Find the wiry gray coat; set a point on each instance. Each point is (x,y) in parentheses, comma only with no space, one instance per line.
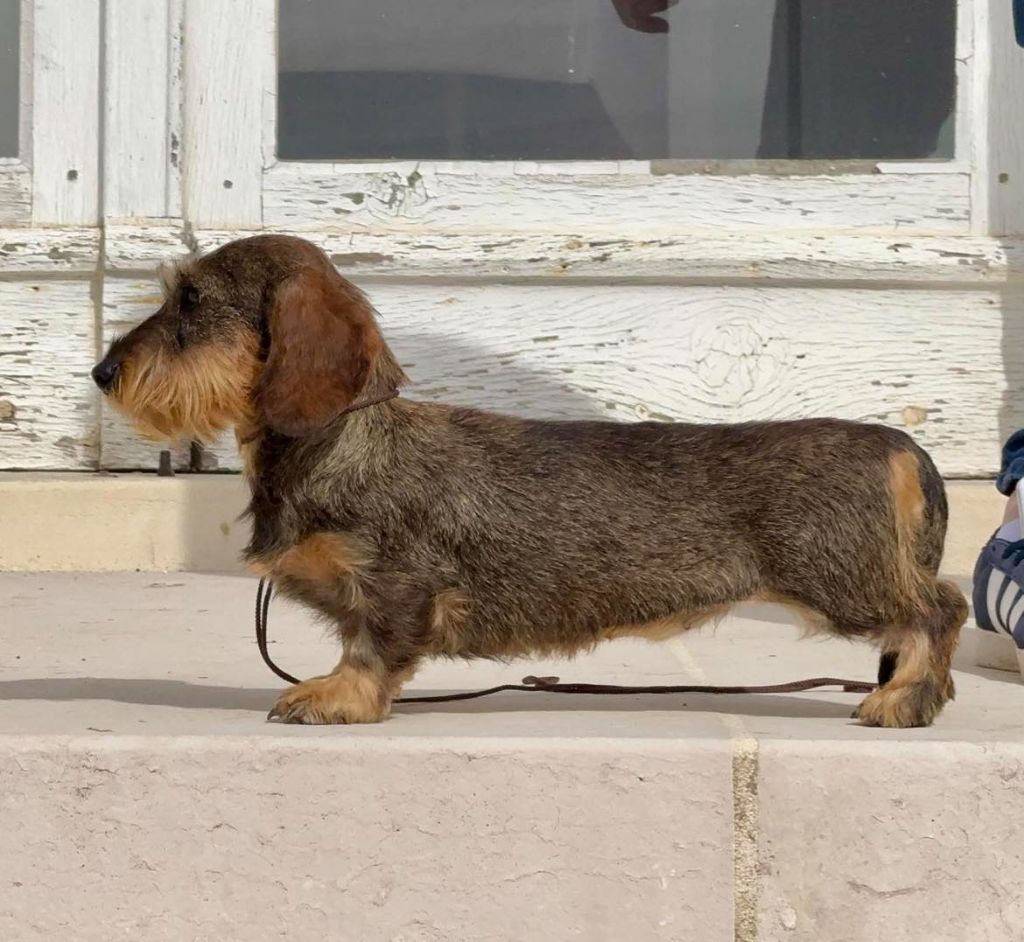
(423,530)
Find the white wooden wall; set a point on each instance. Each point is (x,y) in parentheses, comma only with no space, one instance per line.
(888,293)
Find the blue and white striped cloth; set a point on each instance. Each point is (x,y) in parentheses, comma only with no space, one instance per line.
(998,593)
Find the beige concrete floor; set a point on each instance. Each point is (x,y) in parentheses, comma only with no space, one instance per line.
(142,791)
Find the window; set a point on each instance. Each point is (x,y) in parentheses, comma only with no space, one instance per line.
(598,80)
(10,67)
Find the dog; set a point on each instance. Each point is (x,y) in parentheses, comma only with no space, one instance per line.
(421,530)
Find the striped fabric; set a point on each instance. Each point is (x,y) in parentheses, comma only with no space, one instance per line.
(1005,601)
(999,588)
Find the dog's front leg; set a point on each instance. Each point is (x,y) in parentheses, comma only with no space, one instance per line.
(376,618)
(372,669)
(356,691)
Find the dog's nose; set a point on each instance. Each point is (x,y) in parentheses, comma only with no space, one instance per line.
(105,372)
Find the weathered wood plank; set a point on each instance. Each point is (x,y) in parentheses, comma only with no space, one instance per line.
(48,251)
(141,245)
(607,255)
(438,196)
(65,112)
(226,47)
(1003,170)
(965,124)
(175,105)
(136,105)
(48,404)
(943,364)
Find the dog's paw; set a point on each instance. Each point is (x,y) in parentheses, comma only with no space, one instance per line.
(348,696)
(915,704)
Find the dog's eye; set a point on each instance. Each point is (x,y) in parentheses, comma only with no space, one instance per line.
(189,297)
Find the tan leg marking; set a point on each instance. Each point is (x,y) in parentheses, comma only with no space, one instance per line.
(351,694)
(322,557)
(922,682)
(336,560)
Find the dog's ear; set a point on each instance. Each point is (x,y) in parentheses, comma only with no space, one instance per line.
(323,342)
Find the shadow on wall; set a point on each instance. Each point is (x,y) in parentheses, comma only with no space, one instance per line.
(213,533)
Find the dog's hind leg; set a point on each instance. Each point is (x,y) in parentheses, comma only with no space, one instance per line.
(917,646)
(919,654)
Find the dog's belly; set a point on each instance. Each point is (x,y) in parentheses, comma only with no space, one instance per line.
(562,605)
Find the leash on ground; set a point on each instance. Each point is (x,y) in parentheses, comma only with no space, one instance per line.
(553,684)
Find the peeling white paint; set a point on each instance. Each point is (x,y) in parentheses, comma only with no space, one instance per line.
(590,252)
(439,196)
(48,251)
(48,405)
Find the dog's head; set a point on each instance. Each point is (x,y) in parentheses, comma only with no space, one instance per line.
(262,332)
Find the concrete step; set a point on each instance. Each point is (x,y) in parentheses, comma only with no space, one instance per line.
(142,795)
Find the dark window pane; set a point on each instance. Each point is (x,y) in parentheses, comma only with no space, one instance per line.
(597,79)
(10,63)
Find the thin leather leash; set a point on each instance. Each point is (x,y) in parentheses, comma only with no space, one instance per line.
(552,684)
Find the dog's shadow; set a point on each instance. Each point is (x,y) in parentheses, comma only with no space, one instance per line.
(182,694)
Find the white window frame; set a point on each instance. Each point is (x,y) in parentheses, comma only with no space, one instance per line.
(200,146)
(232,138)
(54,181)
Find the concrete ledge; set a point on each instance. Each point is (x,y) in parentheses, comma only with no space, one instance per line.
(117,522)
(143,795)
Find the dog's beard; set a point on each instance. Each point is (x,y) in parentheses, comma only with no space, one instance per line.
(192,395)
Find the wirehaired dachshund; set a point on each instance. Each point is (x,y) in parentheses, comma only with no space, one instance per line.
(421,530)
